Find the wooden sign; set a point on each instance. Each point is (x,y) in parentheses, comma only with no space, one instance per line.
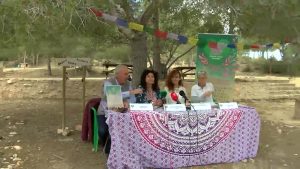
(74,62)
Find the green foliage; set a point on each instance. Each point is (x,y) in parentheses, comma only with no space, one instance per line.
(51,28)
(120,54)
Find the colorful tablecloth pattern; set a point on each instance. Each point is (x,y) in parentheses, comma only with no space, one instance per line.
(170,140)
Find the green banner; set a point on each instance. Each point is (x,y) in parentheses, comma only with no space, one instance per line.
(219,61)
(215,57)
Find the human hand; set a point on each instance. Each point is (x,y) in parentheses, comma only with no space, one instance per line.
(136,91)
(157,103)
(207,93)
(126,104)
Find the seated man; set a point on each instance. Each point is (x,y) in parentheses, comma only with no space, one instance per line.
(120,78)
(202,92)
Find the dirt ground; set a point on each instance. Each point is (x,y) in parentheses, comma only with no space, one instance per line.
(28,138)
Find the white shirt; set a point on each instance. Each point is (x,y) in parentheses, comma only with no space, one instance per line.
(169,100)
(197,93)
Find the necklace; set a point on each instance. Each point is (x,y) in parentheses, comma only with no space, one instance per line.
(150,95)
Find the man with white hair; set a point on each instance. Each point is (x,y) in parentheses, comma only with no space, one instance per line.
(203,90)
(120,78)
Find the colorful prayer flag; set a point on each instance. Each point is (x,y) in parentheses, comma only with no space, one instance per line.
(276,45)
(255,46)
(136,26)
(122,22)
(109,17)
(149,30)
(161,34)
(182,39)
(240,46)
(192,41)
(96,12)
(172,36)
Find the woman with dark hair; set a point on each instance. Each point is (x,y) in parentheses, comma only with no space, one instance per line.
(149,85)
(174,84)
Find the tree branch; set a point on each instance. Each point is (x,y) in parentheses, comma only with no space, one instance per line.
(147,13)
(116,10)
(149,60)
(126,7)
(172,51)
(168,67)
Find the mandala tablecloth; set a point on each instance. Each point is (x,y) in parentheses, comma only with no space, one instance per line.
(171,140)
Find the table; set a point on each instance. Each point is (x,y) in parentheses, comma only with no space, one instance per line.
(186,70)
(108,64)
(172,140)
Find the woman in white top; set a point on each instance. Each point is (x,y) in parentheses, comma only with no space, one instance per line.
(174,84)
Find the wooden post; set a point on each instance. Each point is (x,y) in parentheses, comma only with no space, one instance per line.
(63,124)
(297,109)
(1,69)
(83,87)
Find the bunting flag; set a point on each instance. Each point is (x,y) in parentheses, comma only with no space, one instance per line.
(172,36)
(240,46)
(149,30)
(96,12)
(255,46)
(160,34)
(180,38)
(276,45)
(109,17)
(136,26)
(192,41)
(122,22)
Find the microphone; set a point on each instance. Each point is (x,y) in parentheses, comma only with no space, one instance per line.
(182,94)
(174,97)
(129,78)
(163,93)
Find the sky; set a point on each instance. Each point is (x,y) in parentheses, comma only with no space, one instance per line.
(275,53)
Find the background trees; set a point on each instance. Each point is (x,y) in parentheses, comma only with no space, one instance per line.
(41,28)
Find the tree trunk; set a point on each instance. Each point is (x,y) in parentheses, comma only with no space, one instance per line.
(1,69)
(49,66)
(138,56)
(33,60)
(37,59)
(157,65)
(231,22)
(297,109)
